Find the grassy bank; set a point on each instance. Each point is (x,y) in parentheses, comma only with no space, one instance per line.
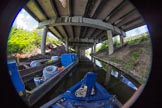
(134,57)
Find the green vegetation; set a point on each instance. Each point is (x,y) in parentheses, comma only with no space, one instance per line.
(138,39)
(87,52)
(49,61)
(132,61)
(116,42)
(21,41)
(103,46)
(131,40)
(114,59)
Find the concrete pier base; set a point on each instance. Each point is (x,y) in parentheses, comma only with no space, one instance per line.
(110,42)
(43,42)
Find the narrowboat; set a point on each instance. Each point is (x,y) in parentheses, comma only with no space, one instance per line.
(30,97)
(87,93)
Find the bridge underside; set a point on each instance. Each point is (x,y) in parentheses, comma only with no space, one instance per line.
(84,23)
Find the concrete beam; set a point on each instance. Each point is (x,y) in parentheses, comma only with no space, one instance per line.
(43,42)
(84,32)
(81,45)
(110,41)
(36,9)
(97,34)
(55,32)
(126,17)
(133,25)
(117,9)
(80,21)
(89,32)
(47,6)
(83,40)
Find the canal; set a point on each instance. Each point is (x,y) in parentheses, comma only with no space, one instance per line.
(116,82)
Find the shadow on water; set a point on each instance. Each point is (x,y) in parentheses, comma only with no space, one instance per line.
(114,81)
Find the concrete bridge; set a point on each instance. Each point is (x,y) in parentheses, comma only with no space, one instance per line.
(81,24)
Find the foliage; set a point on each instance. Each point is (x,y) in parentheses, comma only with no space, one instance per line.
(114,59)
(139,39)
(21,41)
(54,41)
(116,42)
(103,46)
(87,52)
(131,40)
(49,61)
(134,56)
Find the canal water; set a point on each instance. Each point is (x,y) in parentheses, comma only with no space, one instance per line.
(116,82)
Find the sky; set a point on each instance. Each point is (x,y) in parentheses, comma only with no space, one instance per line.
(137,31)
(25,21)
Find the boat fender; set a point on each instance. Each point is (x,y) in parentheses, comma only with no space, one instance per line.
(49,71)
(35,63)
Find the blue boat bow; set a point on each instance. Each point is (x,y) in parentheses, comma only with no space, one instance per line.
(85,94)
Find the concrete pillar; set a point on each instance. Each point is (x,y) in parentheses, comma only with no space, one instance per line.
(43,42)
(76,49)
(110,41)
(92,51)
(94,46)
(66,45)
(69,49)
(121,40)
(80,51)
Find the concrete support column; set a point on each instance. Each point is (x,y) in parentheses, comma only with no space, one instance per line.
(121,40)
(69,49)
(76,49)
(80,53)
(43,42)
(110,41)
(66,45)
(94,46)
(92,51)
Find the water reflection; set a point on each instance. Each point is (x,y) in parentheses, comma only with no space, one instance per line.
(98,63)
(115,73)
(123,79)
(129,83)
